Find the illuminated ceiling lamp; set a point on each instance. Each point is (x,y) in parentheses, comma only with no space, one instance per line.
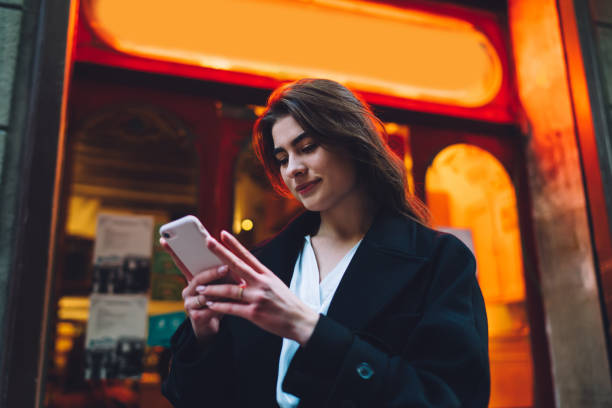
(368,46)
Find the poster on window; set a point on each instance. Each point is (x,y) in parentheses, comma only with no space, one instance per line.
(116,336)
(167,281)
(122,254)
(162,327)
(116,329)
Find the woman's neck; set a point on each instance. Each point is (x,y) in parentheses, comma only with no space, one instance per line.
(348,221)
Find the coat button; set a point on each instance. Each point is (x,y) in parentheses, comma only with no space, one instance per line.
(365,371)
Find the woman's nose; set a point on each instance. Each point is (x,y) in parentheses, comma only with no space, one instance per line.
(295,166)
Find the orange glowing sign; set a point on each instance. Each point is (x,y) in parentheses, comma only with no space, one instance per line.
(369,46)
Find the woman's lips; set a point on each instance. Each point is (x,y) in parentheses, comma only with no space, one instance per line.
(306,188)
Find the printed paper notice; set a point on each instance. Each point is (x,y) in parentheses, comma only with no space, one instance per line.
(122,254)
(116,336)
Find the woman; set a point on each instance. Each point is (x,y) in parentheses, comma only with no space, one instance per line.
(355,303)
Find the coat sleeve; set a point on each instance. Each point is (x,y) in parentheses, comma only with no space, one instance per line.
(200,377)
(444,362)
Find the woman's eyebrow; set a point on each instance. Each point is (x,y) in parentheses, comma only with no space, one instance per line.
(294,142)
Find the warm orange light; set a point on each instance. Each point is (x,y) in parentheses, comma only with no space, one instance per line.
(247,224)
(468,188)
(368,46)
(77,308)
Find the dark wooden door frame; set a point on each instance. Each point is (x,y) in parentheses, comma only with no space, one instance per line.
(35,142)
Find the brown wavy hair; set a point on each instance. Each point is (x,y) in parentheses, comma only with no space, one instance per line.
(339,121)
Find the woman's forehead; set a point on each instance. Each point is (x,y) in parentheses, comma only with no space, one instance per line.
(285,130)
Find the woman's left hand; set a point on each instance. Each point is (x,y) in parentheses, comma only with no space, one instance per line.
(262,299)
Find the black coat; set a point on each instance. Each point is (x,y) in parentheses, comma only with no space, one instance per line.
(406,328)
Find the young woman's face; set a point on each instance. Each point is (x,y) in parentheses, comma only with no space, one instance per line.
(317,177)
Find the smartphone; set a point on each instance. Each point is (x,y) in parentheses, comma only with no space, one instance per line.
(187,239)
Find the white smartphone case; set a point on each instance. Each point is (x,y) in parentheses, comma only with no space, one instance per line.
(187,238)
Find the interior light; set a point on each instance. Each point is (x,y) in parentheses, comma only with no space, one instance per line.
(246,224)
(368,46)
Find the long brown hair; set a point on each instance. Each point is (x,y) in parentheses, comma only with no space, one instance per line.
(340,121)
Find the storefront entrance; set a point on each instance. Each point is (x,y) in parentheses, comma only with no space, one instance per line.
(143,145)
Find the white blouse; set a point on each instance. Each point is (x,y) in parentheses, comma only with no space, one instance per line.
(305,284)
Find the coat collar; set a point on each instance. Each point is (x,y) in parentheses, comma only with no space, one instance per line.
(385,262)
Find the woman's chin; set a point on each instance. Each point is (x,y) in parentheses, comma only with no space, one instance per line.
(312,205)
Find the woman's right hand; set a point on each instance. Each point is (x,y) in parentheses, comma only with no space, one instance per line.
(205,322)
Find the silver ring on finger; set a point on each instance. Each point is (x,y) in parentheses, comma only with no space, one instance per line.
(200,305)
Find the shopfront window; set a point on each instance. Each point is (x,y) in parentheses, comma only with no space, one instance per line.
(135,166)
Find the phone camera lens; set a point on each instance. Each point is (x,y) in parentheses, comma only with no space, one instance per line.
(165,235)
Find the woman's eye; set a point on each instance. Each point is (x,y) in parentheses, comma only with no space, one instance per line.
(282,162)
(309,148)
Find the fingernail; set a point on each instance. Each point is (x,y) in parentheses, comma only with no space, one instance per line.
(201,288)
(222,269)
(209,303)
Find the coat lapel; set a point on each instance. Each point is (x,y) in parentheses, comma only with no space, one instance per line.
(383,265)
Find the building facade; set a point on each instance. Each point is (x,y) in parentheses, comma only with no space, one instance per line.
(528,174)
